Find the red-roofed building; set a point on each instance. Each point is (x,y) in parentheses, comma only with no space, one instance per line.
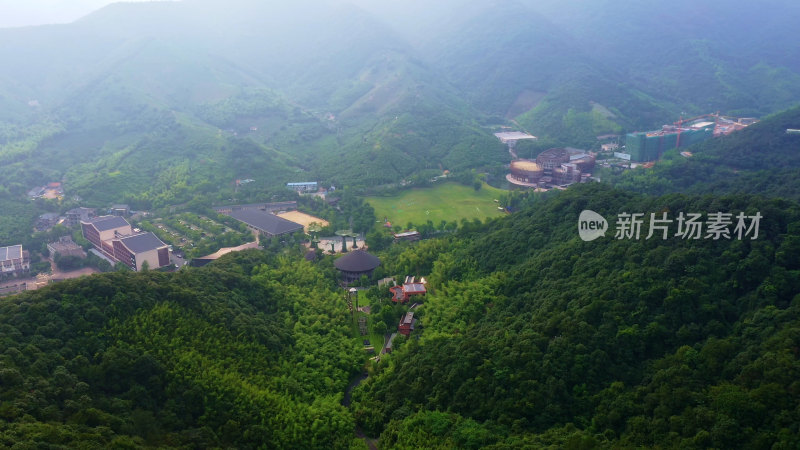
(410,288)
(407,323)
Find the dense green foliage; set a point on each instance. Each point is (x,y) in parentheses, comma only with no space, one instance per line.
(246,354)
(537,335)
(529,337)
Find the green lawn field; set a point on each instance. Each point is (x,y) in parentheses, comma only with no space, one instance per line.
(448,201)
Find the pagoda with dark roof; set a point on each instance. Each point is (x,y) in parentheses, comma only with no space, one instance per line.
(355,264)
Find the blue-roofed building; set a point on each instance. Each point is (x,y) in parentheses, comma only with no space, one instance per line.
(311,186)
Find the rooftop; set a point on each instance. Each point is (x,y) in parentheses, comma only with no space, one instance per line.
(407,234)
(408,319)
(64,246)
(513,136)
(12,252)
(414,288)
(81,210)
(105,223)
(357,261)
(140,243)
(292,204)
(266,222)
(525,164)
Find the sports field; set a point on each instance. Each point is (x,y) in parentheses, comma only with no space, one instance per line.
(448,201)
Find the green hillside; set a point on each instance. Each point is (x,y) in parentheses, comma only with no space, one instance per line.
(535,338)
(551,65)
(528,337)
(683,50)
(218,357)
(389,96)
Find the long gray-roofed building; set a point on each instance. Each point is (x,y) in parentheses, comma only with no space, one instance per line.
(266,223)
(268,207)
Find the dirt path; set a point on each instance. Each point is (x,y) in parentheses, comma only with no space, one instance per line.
(41,280)
(57,274)
(371,442)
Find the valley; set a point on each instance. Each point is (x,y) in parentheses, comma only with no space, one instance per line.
(327,224)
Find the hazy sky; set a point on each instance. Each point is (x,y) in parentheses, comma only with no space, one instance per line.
(17,13)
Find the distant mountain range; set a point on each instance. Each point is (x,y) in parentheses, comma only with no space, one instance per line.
(365,94)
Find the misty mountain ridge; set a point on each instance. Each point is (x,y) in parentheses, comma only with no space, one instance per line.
(526,335)
(340,77)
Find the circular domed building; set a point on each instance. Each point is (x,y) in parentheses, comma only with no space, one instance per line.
(552,158)
(526,171)
(553,167)
(355,264)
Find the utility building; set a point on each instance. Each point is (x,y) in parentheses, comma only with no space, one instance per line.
(649,146)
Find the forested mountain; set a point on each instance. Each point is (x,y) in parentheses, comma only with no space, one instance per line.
(340,91)
(535,338)
(737,57)
(529,337)
(226,356)
(570,70)
(360,95)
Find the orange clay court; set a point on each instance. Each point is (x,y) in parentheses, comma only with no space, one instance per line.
(303,219)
